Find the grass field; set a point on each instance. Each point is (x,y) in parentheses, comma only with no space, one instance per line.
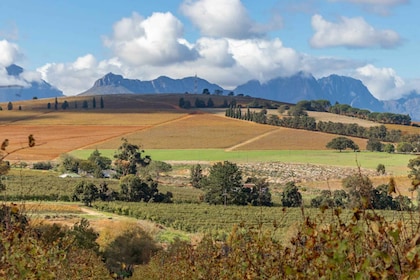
(394,163)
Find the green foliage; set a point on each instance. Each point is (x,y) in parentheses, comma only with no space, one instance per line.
(405,147)
(46,251)
(374,145)
(359,188)
(342,143)
(196,176)
(154,169)
(69,163)
(43,165)
(365,247)
(291,197)
(133,247)
(414,172)
(257,191)
(137,189)
(85,192)
(328,199)
(129,157)
(224,184)
(380,169)
(389,148)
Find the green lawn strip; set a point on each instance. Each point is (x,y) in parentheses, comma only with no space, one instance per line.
(395,163)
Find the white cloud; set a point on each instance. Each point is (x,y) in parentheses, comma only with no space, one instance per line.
(265,59)
(9,53)
(215,51)
(221,18)
(383,83)
(382,7)
(156,40)
(78,76)
(352,33)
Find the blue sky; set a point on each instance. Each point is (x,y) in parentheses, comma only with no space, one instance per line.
(70,44)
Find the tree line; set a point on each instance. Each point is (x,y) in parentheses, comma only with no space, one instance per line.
(302,121)
(347,110)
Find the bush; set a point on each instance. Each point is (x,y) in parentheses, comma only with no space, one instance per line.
(291,196)
(42,165)
(133,247)
(364,247)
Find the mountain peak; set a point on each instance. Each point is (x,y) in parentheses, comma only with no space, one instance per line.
(14,70)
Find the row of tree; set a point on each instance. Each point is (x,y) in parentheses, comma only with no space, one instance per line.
(347,110)
(302,121)
(85,104)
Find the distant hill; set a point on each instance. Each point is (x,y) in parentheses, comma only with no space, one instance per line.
(113,84)
(40,89)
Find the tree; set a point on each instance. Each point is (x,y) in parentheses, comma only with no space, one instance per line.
(155,168)
(56,103)
(405,147)
(206,91)
(380,168)
(291,197)
(99,160)
(102,103)
(136,189)
(196,176)
(129,157)
(49,105)
(85,104)
(258,192)
(389,148)
(360,188)
(374,145)
(181,102)
(414,172)
(94,103)
(223,184)
(133,247)
(342,143)
(210,103)
(381,198)
(65,105)
(10,106)
(85,192)
(69,163)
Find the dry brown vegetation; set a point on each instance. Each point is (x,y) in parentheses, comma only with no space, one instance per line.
(154,122)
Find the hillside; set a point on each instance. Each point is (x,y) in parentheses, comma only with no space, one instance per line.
(155,122)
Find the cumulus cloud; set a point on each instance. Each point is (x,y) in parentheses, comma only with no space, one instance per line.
(9,53)
(382,7)
(215,51)
(383,83)
(76,77)
(221,18)
(352,33)
(156,40)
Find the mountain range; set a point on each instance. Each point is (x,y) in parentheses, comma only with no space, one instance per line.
(301,86)
(38,89)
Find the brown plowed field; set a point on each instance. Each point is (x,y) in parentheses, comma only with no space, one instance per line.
(54,140)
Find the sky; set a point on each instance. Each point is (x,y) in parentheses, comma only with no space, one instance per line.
(70,44)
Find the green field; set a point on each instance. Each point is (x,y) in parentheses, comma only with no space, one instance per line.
(394,163)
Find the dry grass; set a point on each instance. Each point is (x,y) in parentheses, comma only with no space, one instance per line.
(294,139)
(325,117)
(198,131)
